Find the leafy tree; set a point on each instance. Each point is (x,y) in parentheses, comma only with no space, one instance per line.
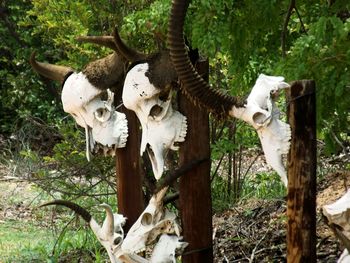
(297,39)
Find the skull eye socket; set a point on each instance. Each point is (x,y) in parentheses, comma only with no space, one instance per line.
(146,219)
(99,112)
(259,118)
(102,114)
(117,241)
(155,111)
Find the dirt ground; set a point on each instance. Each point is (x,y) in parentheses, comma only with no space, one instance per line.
(251,231)
(255,231)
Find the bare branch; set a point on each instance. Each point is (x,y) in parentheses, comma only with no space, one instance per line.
(171,177)
(285,27)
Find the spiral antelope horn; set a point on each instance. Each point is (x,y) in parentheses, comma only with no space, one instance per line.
(194,86)
(50,71)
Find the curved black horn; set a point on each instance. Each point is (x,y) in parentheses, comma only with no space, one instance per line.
(106,41)
(129,53)
(107,72)
(197,89)
(50,71)
(75,207)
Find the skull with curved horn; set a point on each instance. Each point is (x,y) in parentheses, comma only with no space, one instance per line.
(87,96)
(110,234)
(148,92)
(154,221)
(258,110)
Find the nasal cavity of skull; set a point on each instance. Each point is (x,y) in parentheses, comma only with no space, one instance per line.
(155,111)
(146,219)
(259,118)
(151,155)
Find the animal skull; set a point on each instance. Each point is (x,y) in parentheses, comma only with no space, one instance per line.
(102,123)
(110,234)
(162,126)
(82,97)
(154,221)
(338,218)
(167,248)
(262,113)
(258,110)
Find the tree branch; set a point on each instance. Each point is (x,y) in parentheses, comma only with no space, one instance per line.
(285,27)
(172,176)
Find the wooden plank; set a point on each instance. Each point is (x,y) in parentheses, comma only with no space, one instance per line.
(194,187)
(129,174)
(301,204)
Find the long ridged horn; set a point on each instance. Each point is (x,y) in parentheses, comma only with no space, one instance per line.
(75,207)
(197,89)
(50,71)
(130,54)
(106,41)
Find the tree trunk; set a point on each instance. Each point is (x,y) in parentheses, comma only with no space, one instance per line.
(301,205)
(129,174)
(195,194)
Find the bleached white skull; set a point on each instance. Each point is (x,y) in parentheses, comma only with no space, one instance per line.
(167,248)
(262,113)
(93,109)
(86,96)
(162,126)
(338,217)
(154,221)
(110,234)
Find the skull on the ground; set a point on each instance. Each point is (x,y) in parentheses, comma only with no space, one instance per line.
(93,109)
(162,126)
(337,216)
(167,248)
(111,233)
(154,221)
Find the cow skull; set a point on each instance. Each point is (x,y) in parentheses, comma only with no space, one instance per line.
(154,221)
(162,126)
(86,96)
(102,123)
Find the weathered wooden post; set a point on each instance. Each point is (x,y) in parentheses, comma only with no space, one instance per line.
(129,174)
(195,193)
(301,204)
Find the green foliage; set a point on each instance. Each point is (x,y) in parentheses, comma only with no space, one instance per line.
(241,38)
(323,55)
(264,186)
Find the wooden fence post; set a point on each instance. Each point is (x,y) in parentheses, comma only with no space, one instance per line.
(129,174)
(301,204)
(195,192)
